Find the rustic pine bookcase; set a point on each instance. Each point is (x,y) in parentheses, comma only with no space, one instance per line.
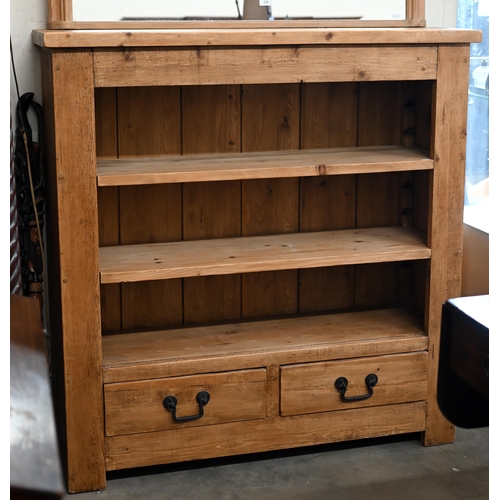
(251,236)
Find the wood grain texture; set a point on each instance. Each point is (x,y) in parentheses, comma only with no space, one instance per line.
(105,120)
(134,407)
(392,236)
(270,122)
(423,135)
(148,125)
(266,165)
(211,123)
(60,11)
(109,234)
(108,200)
(264,65)
(205,349)
(446,227)
(72,95)
(322,105)
(377,200)
(211,119)
(252,254)
(310,388)
(328,203)
(272,390)
(381,121)
(376,285)
(143,37)
(262,435)
(149,121)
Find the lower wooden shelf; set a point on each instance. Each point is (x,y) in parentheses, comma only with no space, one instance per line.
(270,385)
(207,349)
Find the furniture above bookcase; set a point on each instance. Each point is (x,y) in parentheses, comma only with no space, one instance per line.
(240,14)
(252,233)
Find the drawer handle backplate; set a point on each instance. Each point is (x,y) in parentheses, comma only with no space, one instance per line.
(341,385)
(170,403)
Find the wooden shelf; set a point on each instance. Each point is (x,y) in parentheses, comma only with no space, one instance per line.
(210,36)
(276,164)
(182,259)
(146,355)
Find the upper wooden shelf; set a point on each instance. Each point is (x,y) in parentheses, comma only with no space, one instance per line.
(301,163)
(182,259)
(182,351)
(121,38)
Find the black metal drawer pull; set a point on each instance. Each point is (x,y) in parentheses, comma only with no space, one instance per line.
(341,385)
(170,403)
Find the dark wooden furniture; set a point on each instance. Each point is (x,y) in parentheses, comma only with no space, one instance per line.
(463,379)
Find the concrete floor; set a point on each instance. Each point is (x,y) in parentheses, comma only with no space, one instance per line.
(395,468)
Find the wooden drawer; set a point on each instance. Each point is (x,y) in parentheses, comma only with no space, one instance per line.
(136,407)
(310,388)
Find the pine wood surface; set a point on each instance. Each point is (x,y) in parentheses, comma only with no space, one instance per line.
(328,203)
(446,231)
(211,123)
(155,37)
(68,86)
(280,433)
(130,263)
(263,65)
(309,388)
(260,95)
(108,200)
(270,122)
(134,407)
(280,164)
(139,222)
(250,344)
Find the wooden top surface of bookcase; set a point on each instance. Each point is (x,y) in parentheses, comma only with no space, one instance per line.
(163,38)
(174,352)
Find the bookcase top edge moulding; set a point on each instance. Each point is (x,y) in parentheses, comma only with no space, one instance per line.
(253,224)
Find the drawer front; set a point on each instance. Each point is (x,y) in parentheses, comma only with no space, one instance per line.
(310,387)
(136,407)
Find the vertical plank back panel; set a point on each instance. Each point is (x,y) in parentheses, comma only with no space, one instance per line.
(270,121)
(378,195)
(327,203)
(378,200)
(423,134)
(377,284)
(422,186)
(108,201)
(211,123)
(406,273)
(149,125)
